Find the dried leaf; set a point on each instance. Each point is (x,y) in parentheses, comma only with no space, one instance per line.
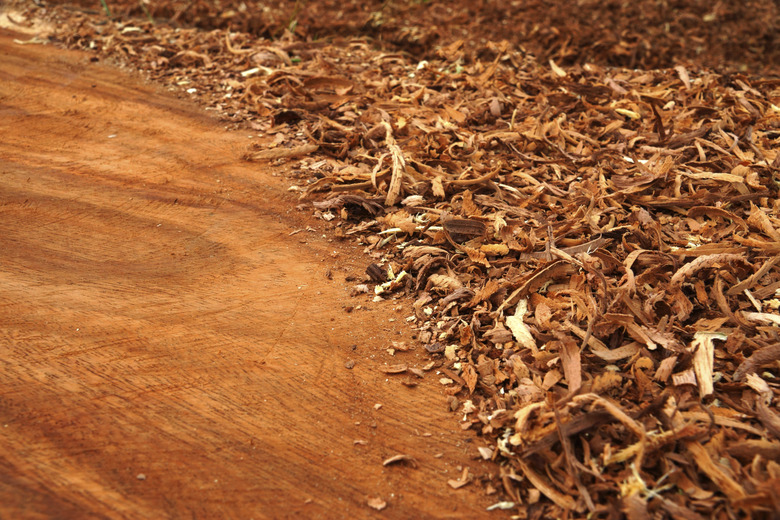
(441,281)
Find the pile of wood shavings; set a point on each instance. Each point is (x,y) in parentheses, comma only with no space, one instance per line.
(592,251)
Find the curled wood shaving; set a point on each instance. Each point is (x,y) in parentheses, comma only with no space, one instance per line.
(759,358)
(464,479)
(616,412)
(760,386)
(702,262)
(461,226)
(395,459)
(737,424)
(600,349)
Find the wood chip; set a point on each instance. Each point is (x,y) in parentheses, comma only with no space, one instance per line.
(376,503)
(394,369)
(464,480)
(395,459)
(282,153)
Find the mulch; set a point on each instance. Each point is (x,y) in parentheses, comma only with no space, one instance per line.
(583,209)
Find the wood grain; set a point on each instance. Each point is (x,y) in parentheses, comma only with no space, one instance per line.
(168,349)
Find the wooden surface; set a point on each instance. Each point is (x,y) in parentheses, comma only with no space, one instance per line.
(168,349)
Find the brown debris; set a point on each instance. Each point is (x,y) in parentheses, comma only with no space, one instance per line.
(376,503)
(590,235)
(465,479)
(547,489)
(719,474)
(395,459)
(759,358)
(394,369)
(749,449)
(281,153)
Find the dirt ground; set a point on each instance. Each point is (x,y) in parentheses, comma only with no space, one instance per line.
(175,335)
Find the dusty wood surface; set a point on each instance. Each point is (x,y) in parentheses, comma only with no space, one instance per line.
(168,348)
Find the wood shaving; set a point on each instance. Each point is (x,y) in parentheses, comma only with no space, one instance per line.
(559,214)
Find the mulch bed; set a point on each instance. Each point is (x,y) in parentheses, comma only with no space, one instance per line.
(583,209)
